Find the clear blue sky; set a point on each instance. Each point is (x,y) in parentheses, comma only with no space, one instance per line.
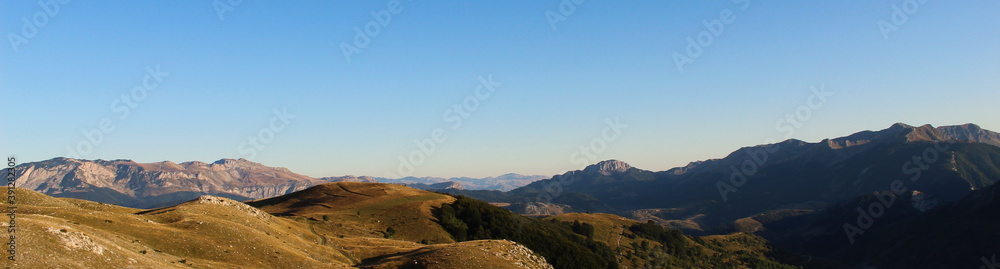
(606,60)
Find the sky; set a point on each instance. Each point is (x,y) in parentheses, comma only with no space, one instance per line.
(483,88)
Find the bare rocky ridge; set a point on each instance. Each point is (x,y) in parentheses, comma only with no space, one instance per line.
(791,174)
(608,167)
(146,185)
(900,132)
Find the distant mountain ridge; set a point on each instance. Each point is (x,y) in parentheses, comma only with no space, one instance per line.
(789,175)
(503,182)
(350,178)
(147,185)
(900,132)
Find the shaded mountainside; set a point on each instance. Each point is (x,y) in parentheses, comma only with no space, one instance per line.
(336,225)
(954,235)
(603,240)
(147,185)
(944,163)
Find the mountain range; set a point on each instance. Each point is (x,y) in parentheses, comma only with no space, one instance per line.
(503,182)
(905,196)
(148,185)
(943,164)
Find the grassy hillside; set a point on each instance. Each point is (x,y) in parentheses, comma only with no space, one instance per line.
(69,233)
(216,232)
(364,209)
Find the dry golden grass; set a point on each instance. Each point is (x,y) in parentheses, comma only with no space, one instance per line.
(351,209)
(213,232)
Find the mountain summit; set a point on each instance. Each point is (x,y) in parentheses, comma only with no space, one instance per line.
(147,185)
(608,167)
(790,175)
(903,133)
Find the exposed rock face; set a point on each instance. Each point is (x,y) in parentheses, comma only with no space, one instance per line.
(146,185)
(215,200)
(608,167)
(900,132)
(923,201)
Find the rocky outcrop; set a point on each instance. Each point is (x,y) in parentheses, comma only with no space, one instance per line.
(608,167)
(900,132)
(146,185)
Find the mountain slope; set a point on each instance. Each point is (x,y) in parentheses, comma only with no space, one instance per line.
(944,163)
(210,232)
(147,185)
(364,209)
(217,232)
(604,241)
(953,235)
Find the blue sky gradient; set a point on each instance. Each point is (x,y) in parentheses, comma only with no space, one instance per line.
(557,88)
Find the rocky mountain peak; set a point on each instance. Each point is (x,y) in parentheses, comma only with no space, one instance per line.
(608,167)
(902,133)
(128,183)
(900,126)
(240,161)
